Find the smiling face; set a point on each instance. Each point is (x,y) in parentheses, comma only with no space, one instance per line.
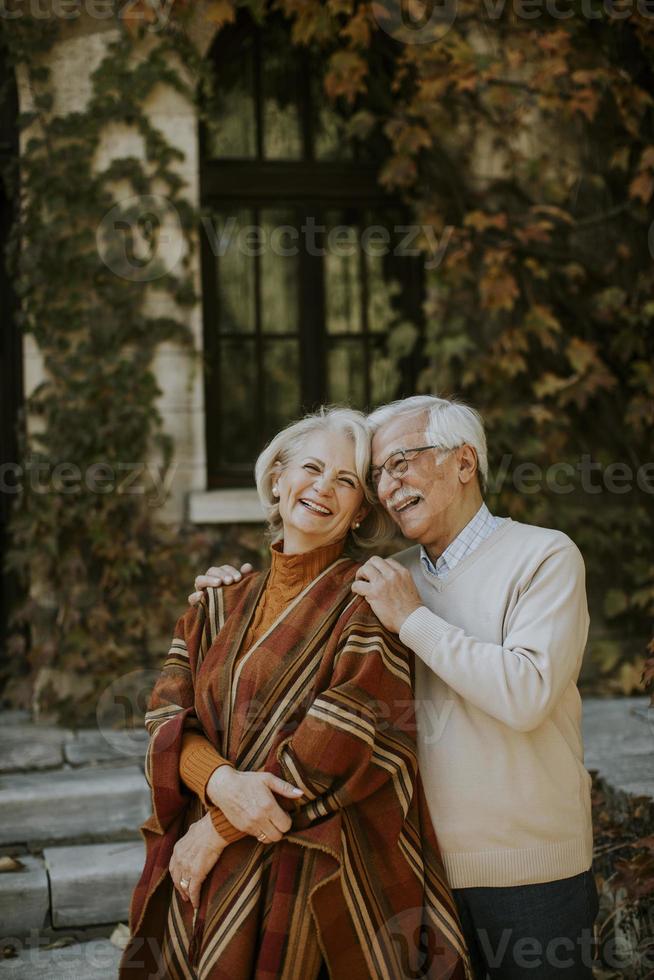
(320,496)
(427,501)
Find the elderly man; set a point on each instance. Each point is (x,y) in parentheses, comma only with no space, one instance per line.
(496,614)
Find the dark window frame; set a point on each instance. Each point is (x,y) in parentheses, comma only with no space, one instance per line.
(315,187)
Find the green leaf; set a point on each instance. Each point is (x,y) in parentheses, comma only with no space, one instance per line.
(615,602)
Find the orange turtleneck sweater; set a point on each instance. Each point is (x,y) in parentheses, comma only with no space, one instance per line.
(289,575)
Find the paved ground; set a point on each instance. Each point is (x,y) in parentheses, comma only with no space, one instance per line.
(619,740)
(70,805)
(94,960)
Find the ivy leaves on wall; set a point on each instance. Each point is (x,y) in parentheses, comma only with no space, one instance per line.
(104,570)
(525,145)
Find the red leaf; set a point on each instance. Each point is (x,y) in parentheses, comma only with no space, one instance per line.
(642,186)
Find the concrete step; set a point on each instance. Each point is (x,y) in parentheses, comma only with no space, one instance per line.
(92,884)
(90,746)
(619,739)
(24,898)
(28,746)
(70,804)
(97,959)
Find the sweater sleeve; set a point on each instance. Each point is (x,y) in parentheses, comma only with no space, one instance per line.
(520,681)
(226,829)
(198,761)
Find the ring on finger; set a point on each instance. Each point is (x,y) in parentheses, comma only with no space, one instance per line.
(262,837)
(184,883)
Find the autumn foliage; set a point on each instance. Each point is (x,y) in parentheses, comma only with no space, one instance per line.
(524,139)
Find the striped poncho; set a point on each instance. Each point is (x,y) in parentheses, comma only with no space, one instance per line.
(324,700)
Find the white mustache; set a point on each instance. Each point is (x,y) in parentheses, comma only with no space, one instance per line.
(403,493)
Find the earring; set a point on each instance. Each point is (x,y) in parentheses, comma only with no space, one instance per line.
(275,491)
(356,525)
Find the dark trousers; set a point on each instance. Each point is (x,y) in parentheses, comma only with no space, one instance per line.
(531,932)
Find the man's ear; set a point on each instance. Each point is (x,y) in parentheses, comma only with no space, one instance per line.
(467,463)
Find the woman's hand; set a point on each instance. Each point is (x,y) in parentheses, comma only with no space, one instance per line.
(194,855)
(247,800)
(223,575)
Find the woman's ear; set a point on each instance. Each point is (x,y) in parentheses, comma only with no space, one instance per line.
(362,513)
(275,474)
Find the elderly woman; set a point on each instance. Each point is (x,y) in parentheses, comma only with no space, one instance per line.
(290,838)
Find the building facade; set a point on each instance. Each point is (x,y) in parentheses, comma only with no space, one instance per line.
(299,263)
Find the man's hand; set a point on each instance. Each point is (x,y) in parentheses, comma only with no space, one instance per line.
(194,855)
(247,800)
(389,589)
(215,576)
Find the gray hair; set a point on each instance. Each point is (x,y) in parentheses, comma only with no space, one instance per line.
(377,525)
(450,423)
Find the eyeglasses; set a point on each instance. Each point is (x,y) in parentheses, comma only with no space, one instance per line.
(398,462)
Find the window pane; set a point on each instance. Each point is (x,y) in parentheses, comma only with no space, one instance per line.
(239,436)
(282,135)
(382,296)
(331,142)
(330,139)
(232,129)
(235,272)
(346,381)
(384,377)
(282,385)
(279,272)
(343,287)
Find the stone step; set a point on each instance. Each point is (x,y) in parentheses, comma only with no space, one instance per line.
(619,738)
(70,804)
(24,898)
(27,746)
(92,884)
(97,959)
(89,746)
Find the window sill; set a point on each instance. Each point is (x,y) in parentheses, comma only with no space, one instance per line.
(233,506)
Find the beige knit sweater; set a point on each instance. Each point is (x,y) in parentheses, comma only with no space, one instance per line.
(499,643)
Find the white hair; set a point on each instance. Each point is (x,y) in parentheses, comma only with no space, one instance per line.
(377,525)
(450,423)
